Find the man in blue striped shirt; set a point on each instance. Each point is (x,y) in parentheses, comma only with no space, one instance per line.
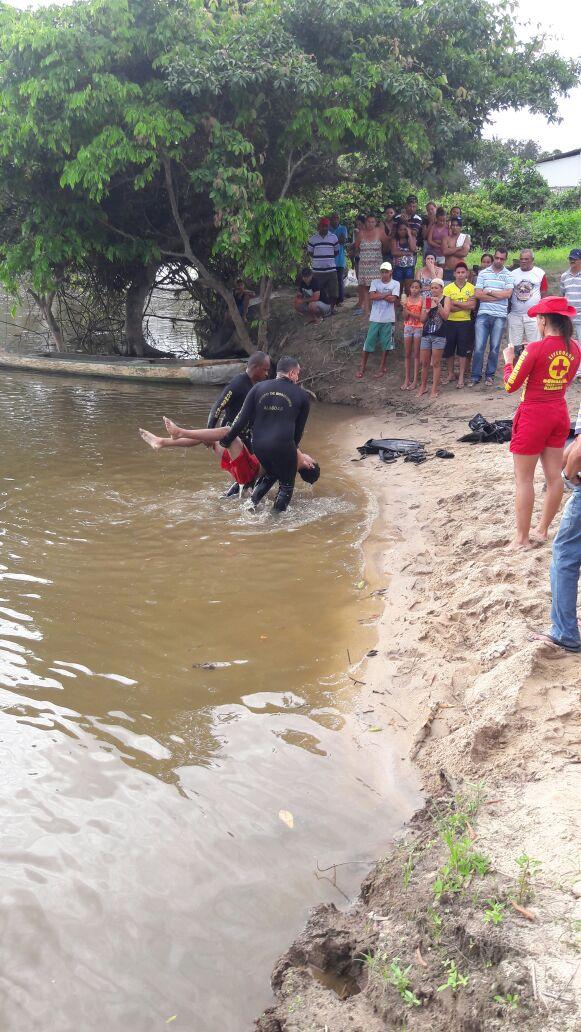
(571,288)
(323,248)
(493,288)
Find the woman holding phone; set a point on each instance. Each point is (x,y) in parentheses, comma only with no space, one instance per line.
(541,423)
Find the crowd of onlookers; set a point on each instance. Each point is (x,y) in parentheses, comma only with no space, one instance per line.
(416,264)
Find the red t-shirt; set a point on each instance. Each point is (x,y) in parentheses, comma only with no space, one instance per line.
(544,370)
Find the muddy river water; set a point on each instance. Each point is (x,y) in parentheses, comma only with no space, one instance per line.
(162,819)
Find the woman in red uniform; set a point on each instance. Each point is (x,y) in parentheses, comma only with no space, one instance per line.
(541,423)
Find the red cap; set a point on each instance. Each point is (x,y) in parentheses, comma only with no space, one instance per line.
(324,221)
(553,306)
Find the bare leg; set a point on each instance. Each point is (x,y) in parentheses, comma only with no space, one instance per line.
(381,371)
(524,471)
(167,442)
(361,291)
(361,371)
(450,374)
(551,461)
(461,371)
(407,343)
(425,364)
(437,367)
(191,438)
(366,301)
(416,344)
(203,436)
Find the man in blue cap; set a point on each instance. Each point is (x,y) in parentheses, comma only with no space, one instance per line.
(571,288)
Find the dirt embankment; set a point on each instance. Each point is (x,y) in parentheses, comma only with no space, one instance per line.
(472,921)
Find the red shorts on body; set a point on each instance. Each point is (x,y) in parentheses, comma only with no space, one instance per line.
(537,427)
(244,469)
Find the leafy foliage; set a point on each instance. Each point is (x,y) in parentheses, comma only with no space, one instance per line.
(522,189)
(251,106)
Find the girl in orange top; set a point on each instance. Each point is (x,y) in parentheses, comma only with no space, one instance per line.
(541,423)
(412,334)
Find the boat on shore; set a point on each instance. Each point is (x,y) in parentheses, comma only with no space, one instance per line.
(210,372)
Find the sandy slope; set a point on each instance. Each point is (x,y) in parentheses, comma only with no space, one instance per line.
(476,701)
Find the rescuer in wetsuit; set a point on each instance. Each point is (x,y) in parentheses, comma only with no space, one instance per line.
(276,412)
(228,404)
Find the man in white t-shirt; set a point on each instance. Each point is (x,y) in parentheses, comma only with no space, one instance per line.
(384,294)
(530,285)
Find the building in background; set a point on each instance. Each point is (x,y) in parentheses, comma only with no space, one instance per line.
(562,171)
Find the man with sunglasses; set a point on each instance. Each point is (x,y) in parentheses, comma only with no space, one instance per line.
(571,288)
(493,288)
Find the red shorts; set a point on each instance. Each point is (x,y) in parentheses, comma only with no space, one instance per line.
(244,469)
(537,427)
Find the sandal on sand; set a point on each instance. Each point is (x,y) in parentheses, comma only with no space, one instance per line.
(549,640)
(489,382)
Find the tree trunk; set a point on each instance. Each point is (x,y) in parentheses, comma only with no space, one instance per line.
(44,302)
(265,292)
(206,277)
(135,299)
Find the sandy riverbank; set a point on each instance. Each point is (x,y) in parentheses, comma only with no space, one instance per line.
(476,704)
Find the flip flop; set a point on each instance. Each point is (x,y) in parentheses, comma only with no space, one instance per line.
(549,640)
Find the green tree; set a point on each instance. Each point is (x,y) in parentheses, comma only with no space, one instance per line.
(522,189)
(137,131)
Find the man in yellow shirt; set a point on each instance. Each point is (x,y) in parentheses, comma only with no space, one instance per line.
(459,302)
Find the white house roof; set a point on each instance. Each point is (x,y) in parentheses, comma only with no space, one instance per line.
(557,157)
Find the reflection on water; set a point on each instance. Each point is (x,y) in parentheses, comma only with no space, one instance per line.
(171,680)
(168,324)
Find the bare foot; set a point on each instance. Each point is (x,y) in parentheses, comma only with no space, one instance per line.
(435,394)
(445,382)
(154,442)
(422,390)
(459,385)
(517,545)
(405,386)
(359,374)
(551,642)
(380,373)
(172,428)
(539,536)
(413,385)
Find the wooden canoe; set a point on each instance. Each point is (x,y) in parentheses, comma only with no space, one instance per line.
(210,372)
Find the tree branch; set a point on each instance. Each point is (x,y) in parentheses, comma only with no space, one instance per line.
(205,275)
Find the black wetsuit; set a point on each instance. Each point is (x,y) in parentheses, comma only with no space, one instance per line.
(228,404)
(276,411)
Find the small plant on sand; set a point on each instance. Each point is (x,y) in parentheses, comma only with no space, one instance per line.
(463,809)
(462,862)
(495,912)
(528,869)
(509,1002)
(455,980)
(385,973)
(434,920)
(408,868)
